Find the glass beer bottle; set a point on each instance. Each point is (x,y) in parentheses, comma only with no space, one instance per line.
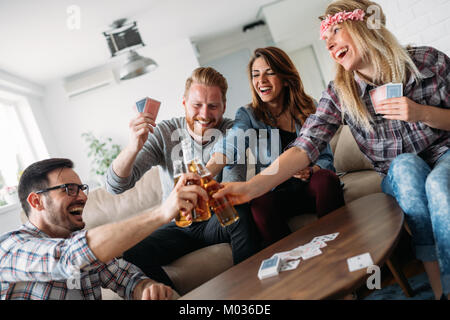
(202,210)
(178,170)
(225,212)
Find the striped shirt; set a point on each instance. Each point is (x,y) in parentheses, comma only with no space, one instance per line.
(390,138)
(34,266)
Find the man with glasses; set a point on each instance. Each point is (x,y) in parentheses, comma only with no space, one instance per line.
(51,257)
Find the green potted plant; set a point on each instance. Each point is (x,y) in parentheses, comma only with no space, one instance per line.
(102,152)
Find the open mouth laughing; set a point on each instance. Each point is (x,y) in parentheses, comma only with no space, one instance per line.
(340,54)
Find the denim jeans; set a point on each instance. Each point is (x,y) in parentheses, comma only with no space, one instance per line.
(423,193)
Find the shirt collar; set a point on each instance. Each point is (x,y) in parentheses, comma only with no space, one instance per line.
(31,227)
(362,84)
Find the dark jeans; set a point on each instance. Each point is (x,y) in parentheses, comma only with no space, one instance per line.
(170,242)
(321,195)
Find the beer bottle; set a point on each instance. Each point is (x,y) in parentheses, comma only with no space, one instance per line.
(202,210)
(225,212)
(178,170)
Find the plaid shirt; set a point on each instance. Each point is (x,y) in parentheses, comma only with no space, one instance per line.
(390,138)
(34,266)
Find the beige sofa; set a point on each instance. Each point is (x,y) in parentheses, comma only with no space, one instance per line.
(195,268)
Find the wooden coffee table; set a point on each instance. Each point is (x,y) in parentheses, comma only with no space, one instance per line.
(370,224)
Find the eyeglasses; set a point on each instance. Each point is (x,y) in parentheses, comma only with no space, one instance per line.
(72,189)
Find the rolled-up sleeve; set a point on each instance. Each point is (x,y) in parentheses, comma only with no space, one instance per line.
(320,127)
(121,277)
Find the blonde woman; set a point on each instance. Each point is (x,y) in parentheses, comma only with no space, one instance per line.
(407,140)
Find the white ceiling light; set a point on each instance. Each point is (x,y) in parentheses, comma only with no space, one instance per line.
(136,66)
(126,38)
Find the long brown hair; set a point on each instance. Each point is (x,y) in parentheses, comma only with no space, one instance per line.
(295,100)
(377,46)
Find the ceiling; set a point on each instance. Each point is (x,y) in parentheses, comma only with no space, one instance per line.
(36,43)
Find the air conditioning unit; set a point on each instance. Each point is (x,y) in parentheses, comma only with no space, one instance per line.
(88,81)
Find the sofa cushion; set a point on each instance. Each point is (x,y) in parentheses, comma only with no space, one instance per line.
(197,267)
(347,156)
(360,183)
(103,207)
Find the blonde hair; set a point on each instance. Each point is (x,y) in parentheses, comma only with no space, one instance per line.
(377,46)
(209,77)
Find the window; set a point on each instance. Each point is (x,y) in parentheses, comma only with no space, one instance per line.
(16,152)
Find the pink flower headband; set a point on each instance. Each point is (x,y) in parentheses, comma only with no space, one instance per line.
(340,17)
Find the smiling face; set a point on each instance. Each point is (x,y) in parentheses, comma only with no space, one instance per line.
(342,48)
(266,83)
(204,108)
(62,213)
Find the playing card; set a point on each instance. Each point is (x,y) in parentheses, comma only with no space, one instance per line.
(394,90)
(311,253)
(319,243)
(152,107)
(359,262)
(377,95)
(140,105)
(286,255)
(289,265)
(325,238)
(387,91)
(148,105)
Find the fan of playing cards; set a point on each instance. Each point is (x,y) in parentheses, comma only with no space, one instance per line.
(291,259)
(390,90)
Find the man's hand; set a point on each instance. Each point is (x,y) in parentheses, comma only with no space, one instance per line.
(151,290)
(183,197)
(140,126)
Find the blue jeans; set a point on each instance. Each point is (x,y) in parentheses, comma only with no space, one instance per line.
(423,193)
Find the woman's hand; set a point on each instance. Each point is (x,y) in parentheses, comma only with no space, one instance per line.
(236,192)
(402,108)
(306,173)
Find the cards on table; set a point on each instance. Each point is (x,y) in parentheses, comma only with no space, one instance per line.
(387,91)
(290,260)
(325,238)
(269,267)
(359,262)
(148,105)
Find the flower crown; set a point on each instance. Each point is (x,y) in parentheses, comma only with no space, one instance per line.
(340,17)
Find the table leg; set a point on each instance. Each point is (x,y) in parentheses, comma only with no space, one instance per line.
(400,277)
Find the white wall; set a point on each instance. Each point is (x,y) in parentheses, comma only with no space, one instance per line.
(107,111)
(419,22)
(230,54)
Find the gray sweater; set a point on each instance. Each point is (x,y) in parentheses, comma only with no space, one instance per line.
(162,148)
